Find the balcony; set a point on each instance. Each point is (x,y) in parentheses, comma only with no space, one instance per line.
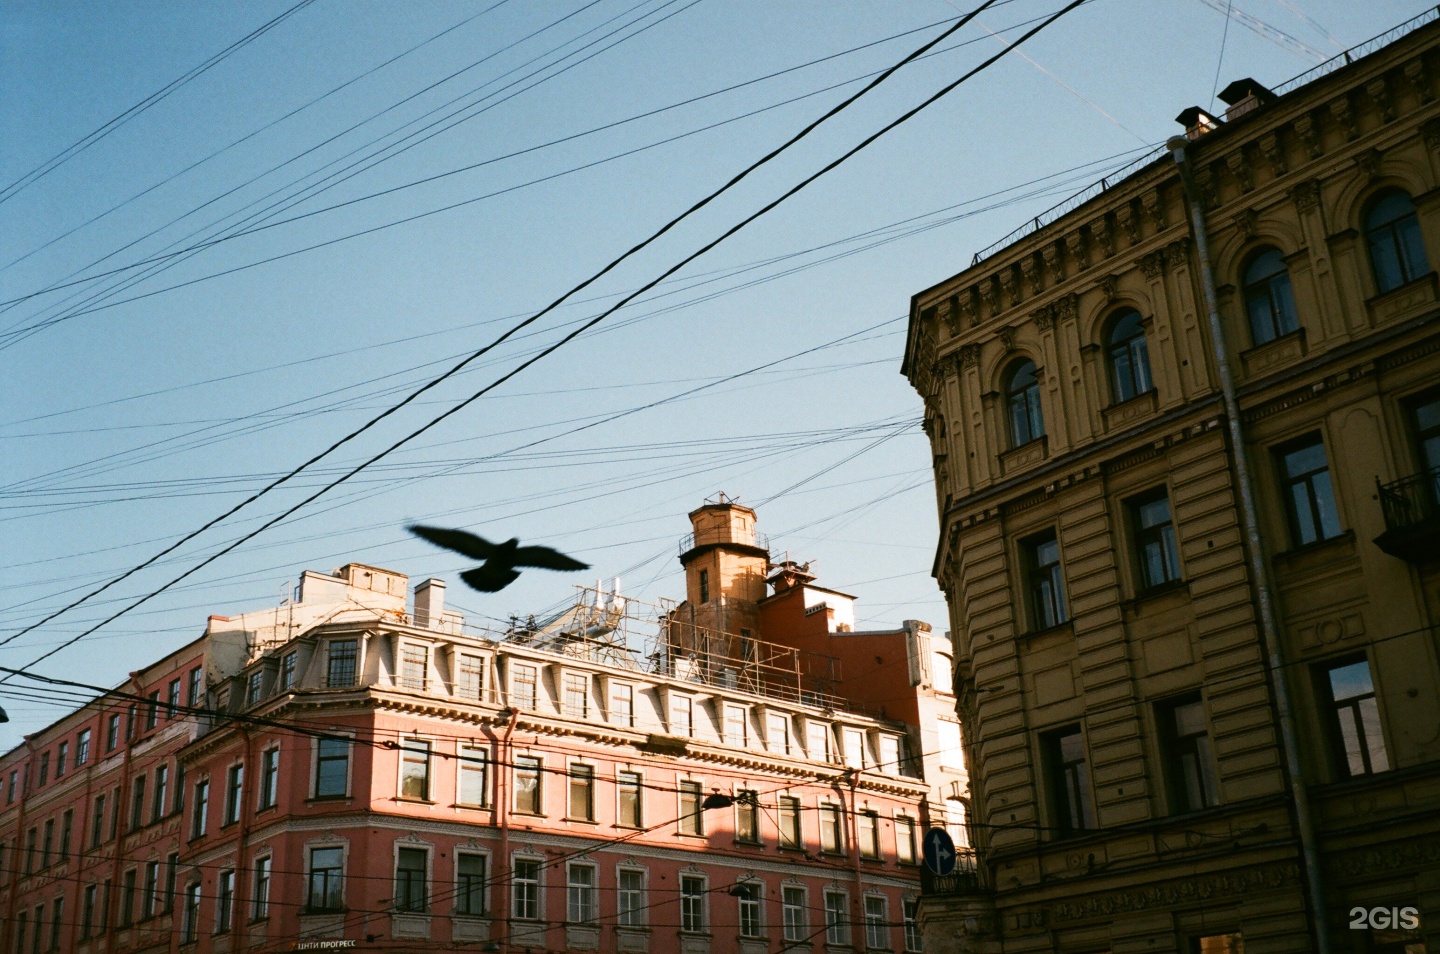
(1412,517)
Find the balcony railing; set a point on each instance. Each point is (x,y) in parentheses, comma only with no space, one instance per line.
(1411,507)
(717,535)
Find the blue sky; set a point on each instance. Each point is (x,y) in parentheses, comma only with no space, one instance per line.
(139,405)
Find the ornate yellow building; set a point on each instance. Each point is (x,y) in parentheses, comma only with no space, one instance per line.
(1186,446)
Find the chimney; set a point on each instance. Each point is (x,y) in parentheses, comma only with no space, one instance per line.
(1242,96)
(430,603)
(1197,122)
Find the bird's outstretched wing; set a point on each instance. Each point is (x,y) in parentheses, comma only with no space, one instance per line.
(458,540)
(490,578)
(546,559)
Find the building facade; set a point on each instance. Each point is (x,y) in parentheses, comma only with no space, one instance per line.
(1187,729)
(366,768)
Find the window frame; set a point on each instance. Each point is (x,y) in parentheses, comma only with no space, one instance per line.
(533,768)
(1064,780)
(582,897)
(1127,359)
(269,794)
(580,784)
(320,759)
(1045,594)
(469,887)
(837,917)
(791,829)
(749,910)
(411,894)
(1400,249)
(877,926)
(1340,755)
(340,653)
(1024,410)
(690,818)
(260,888)
(1160,535)
(1184,753)
(631,784)
(415,752)
(526,905)
(1269,299)
(470,761)
(1311,480)
(694,889)
(794,916)
(630,901)
(331,885)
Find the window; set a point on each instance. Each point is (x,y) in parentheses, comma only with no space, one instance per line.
(114,812)
(269,778)
(179,804)
(332,768)
(415,769)
(97,822)
(287,670)
(830,831)
(11,787)
(196,694)
(172,868)
(201,809)
(853,742)
(817,741)
(905,840)
(737,720)
(1425,418)
(112,732)
(48,845)
(691,818)
(127,900)
(414,666)
(868,826)
(470,677)
(629,789)
(19,932)
(224,901)
(777,731)
(470,876)
(1188,753)
(44,768)
(793,913)
(891,758)
(172,698)
(704,586)
(30,851)
(1044,580)
(837,919)
(57,921)
(1355,718)
(152,710)
(877,931)
(1269,300)
(190,915)
(410,864)
(522,684)
(327,879)
(67,825)
(580,893)
(474,772)
(87,911)
(150,891)
(62,755)
(344,653)
(577,695)
(527,785)
(1129,356)
(137,803)
(82,748)
(1154,539)
(747,896)
(1309,495)
(910,914)
(1069,775)
(1022,404)
(682,716)
(234,792)
(692,903)
(260,894)
(747,817)
(582,792)
(253,685)
(161,799)
(789,821)
(622,704)
(630,897)
(1397,249)
(525,890)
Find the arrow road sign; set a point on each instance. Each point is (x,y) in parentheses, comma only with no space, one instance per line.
(939,851)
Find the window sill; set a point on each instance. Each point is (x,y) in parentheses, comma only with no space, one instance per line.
(581,821)
(1174,591)
(1404,301)
(1122,413)
(524,814)
(469,807)
(1275,353)
(749,843)
(1066,627)
(410,799)
(327,798)
(1319,552)
(1024,456)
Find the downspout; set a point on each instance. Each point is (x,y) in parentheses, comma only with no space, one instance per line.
(1264,597)
(241,896)
(15,870)
(857,906)
(123,790)
(504,769)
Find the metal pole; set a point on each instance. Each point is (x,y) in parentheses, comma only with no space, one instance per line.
(1250,522)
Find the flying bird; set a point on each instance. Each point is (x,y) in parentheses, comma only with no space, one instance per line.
(499,559)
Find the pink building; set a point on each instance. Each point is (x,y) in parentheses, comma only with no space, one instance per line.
(619,778)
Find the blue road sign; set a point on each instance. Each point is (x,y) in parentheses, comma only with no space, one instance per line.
(939,851)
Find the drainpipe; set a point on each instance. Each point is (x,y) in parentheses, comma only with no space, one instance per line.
(1250,521)
(857,906)
(504,771)
(112,911)
(16,871)
(240,896)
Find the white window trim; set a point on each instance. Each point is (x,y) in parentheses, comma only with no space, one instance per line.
(539,887)
(400,768)
(644,873)
(312,791)
(594,867)
(570,765)
(486,897)
(413,841)
(540,787)
(640,793)
(461,747)
(327,841)
(512,667)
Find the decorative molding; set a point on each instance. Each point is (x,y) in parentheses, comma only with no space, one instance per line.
(1379,91)
(1076,245)
(1067,307)
(1205,183)
(1179,893)
(1247,221)
(1154,204)
(1431,131)
(1177,253)
(969,307)
(1309,135)
(1053,262)
(950,314)
(1344,116)
(990,291)
(1103,236)
(1240,169)
(1419,79)
(1044,318)
(969,355)
(1410,854)
(1109,285)
(1129,222)
(1369,162)
(1153,264)
(1306,195)
(1010,285)
(1274,154)
(1030,270)
(1007,338)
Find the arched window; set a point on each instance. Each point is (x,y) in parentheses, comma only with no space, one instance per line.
(1022,398)
(1129,356)
(1268,297)
(1397,250)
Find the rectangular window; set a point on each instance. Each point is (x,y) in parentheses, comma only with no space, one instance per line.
(1069,777)
(107,892)
(1309,495)
(910,914)
(470,884)
(39,928)
(682,716)
(44,769)
(414,666)
(196,695)
(415,769)
(224,901)
(190,916)
(691,818)
(793,912)
(1154,538)
(630,897)
(868,825)
(87,911)
(161,799)
(150,892)
(198,819)
(474,772)
(112,732)
(582,792)
(817,741)
(127,898)
(332,768)
(905,840)
(837,918)
(854,751)
(114,812)
(269,778)
(327,878)
(20,932)
(137,803)
(97,822)
(11,787)
(789,821)
(62,755)
(343,656)
(1188,753)
(253,685)
(692,904)
(525,890)
(172,868)
(172,698)
(410,888)
(527,785)
(470,677)
(777,729)
(82,747)
(891,755)
(737,724)
(747,898)
(260,895)
(287,670)
(580,894)
(234,793)
(704,586)
(577,695)
(152,710)
(48,845)
(877,931)
(523,685)
(622,705)
(747,817)
(57,921)
(629,788)
(179,804)
(1354,716)
(67,824)
(830,832)
(1044,581)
